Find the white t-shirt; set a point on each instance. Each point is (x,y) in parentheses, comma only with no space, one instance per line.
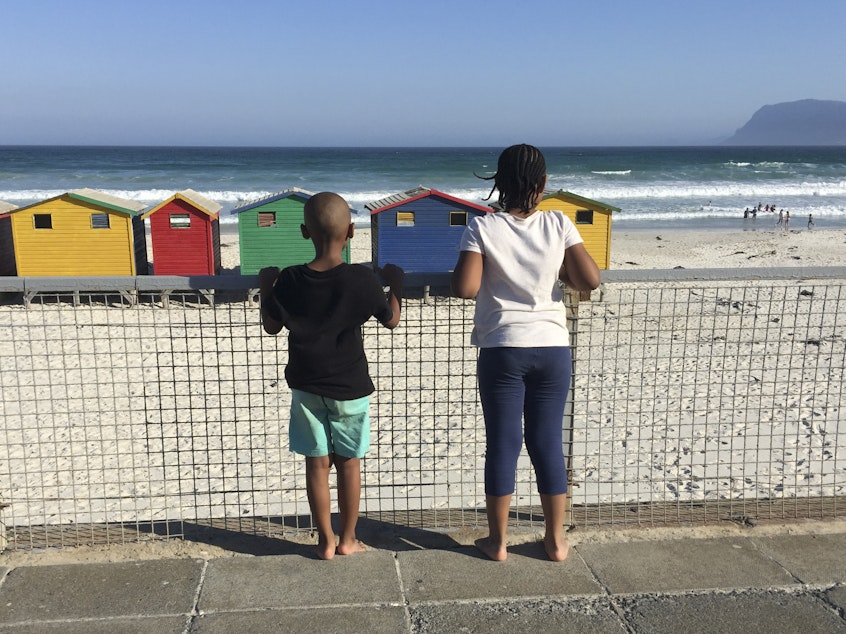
(519,302)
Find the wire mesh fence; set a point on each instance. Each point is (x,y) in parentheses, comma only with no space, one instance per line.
(143,412)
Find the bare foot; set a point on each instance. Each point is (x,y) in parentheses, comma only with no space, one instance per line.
(497,552)
(351,548)
(556,550)
(324,550)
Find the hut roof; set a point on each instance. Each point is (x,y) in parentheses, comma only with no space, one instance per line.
(106,200)
(6,207)
(195,199)
(575,198)
(295,192)
(98,198)
(416,193)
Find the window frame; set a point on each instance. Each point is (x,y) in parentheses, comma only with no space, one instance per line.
(181,217)
(463,215)
(97,221)
(266,215)
(580,219)
(405,219)
(37,217)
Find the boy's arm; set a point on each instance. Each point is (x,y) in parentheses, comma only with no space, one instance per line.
(393,276)
(267,279)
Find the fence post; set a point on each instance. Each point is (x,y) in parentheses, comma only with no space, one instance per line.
(3,541)
(571,304)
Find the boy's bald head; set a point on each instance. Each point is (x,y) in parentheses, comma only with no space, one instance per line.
(327,215)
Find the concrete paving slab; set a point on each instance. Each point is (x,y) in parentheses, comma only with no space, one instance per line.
(137,625)
(811,558)
(373,620)
(296,581)
(138,588)
(529,617)
(685,564)
(464,573)
(774,612)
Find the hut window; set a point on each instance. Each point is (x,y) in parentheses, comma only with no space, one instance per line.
(267,219)
(43,221)
(405,219)
(458,219)
(99,221)
(180,221)
(584,217)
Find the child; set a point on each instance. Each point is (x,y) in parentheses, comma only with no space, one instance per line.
(323,305)
(511,263)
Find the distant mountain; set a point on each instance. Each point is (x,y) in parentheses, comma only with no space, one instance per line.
(805,122)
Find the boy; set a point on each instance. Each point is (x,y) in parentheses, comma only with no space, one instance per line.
(323,305)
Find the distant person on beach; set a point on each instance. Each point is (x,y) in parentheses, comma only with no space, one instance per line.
(746,213)
(810,221)
(323,304)
(511,262)
(780,218)
(787,221)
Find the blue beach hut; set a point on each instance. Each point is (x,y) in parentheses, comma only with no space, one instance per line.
(420,229)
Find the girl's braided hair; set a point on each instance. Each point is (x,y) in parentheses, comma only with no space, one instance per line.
(519,175)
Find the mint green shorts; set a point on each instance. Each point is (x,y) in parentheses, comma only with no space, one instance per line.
(321,426)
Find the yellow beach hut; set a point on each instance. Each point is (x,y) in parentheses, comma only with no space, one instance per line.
(81,232)
(592,219)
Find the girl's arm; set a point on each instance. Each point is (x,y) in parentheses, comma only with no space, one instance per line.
(467,276)
(579,271)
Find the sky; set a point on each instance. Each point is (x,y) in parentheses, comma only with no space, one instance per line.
(402,73)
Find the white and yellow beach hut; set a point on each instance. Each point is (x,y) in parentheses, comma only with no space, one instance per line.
(81,232)
(592,218)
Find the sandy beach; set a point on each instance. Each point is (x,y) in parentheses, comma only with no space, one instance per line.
(180,413)
(727,249)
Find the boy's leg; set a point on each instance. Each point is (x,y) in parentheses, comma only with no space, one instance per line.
(350,440)
(319,500)
(349,498)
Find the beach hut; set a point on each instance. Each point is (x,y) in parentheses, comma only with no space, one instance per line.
(592,219)
(185,235)
(7,248)
(82,232)
(269,232)
(420,229)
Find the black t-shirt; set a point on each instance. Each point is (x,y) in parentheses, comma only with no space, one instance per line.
(323,312)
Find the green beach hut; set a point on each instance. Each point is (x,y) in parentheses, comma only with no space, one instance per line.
(269,232)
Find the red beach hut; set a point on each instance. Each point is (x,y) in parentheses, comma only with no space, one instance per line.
(185,235)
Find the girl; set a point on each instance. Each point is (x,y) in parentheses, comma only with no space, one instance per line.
(511,263)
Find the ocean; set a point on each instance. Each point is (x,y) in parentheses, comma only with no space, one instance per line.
(660,188)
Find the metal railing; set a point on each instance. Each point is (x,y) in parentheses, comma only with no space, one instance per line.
(135,408)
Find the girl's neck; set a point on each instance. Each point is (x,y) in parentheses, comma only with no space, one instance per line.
(519,213)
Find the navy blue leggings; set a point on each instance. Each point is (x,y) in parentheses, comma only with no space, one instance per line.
(527,386)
